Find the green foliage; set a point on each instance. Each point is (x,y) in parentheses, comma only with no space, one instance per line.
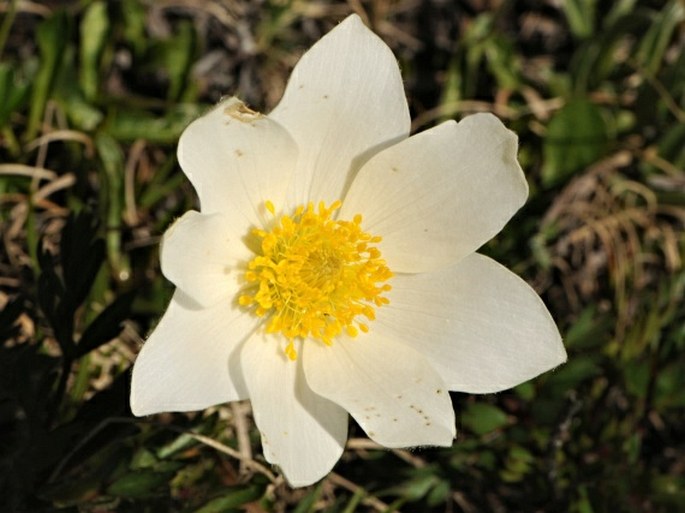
(576,137)
(94,29)
(581,16)
(50,38)
(481,418)
(13,91)
(94,98)
(650,54)
(233,500)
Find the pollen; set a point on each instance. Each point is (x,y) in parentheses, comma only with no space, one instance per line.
(316,277)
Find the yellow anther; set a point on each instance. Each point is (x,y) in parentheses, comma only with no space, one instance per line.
(315,276)
(352,331)
(290,351)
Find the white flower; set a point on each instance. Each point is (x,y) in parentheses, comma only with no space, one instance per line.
(377,306)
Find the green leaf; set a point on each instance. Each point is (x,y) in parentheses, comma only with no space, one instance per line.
(584,504)
(525,391)
(517,465)
(112,198)
(576,137)
(232,500)
(307,503)
(83,114)
(570,375)
(51,298)
(637,377)
(107,325)
(669,489)
(94,29)
(82,253)
(13,91)
(439,494)
(581,16)
(417,488)
(595,60)
(178,57)
(481,418)
(134,33)
(671,146)
(619,9)
(144,483)
(179,443)
(129,125)
(655,42)
(354,501)
(503,62)
(51,37)
(590,329)
(670,382)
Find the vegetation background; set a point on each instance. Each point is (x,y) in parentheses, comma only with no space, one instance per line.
(93,97)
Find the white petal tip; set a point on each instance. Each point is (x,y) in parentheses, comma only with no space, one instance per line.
(433,438)
(301,483)
(140,411)
(139,408)
(491,125)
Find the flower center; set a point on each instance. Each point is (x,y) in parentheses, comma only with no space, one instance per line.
(316,276)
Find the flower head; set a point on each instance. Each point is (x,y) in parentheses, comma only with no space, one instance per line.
(332,267)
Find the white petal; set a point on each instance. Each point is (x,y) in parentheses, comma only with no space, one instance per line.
(441,194)
(481,326)
(344,101)
(303,433)
(237,159)
(189,361)
(389,388)
(201,256)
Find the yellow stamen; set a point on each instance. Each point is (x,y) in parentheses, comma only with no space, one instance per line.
(270,207)
(290,351)
(316,276)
